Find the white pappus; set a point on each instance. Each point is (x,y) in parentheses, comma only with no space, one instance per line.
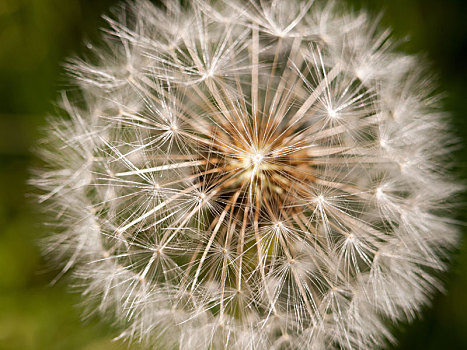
(250,175)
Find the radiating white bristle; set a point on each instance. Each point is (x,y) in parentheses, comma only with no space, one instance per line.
(250,175)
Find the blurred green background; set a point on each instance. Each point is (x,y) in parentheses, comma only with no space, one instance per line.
(35,38)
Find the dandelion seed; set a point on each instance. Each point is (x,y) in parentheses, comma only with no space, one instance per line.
(250,175)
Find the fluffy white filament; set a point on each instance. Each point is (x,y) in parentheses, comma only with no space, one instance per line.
(250,175)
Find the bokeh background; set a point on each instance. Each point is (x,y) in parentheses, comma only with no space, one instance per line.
(36,36)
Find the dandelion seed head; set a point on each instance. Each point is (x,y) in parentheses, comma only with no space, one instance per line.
(250,175)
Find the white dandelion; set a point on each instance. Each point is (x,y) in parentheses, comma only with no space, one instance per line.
(250,175)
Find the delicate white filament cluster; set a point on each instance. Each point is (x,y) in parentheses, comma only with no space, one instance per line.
(250,175)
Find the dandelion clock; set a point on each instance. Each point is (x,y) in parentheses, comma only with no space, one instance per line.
(249,175)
